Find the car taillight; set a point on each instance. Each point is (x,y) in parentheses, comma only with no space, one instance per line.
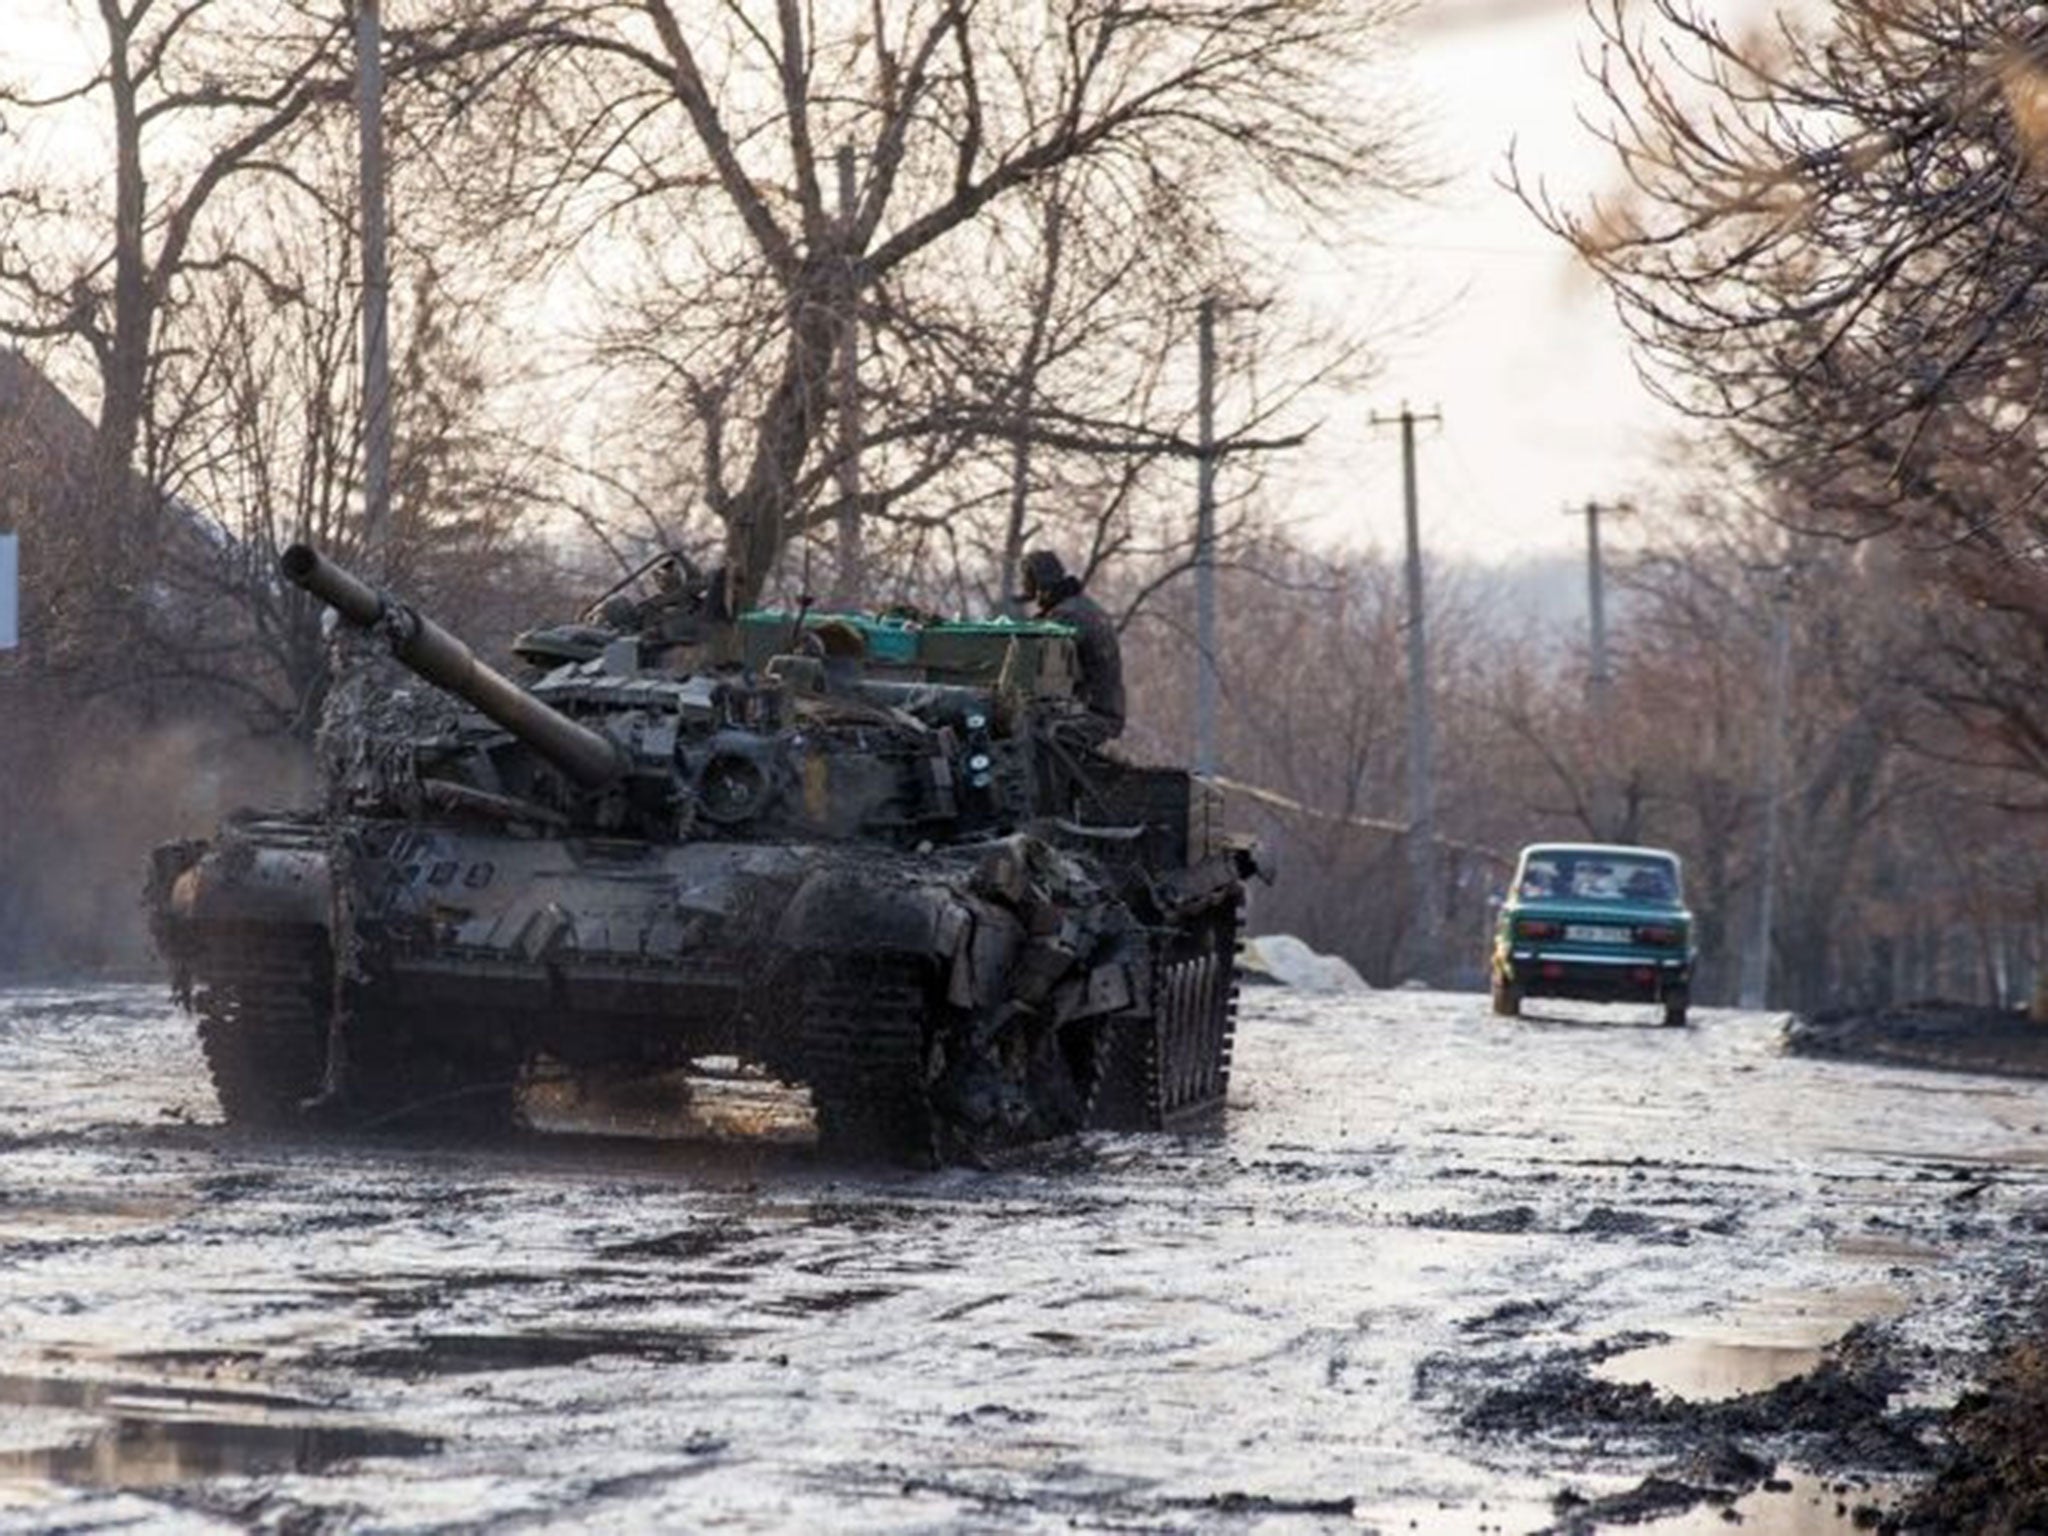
(1660,933)
(1537,928)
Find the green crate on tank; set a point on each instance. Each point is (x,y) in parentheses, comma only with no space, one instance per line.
(890,642)
(976,651)
(969,651)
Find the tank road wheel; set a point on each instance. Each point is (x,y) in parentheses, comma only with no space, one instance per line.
(867,1058)
(263,1024)
(1172,1071)
(1676,1001)
(1507,998)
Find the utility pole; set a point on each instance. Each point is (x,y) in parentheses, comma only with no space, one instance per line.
(376,291)
(10,592)
(1756,957)
(1596,604)
(1422,859)
(1205,542)
(850,573)
(1600,681)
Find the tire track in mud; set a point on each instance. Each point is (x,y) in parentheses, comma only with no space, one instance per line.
(1395,1289)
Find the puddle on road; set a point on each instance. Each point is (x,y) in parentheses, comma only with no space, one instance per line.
(136,1453)
(1894,1250)
(1798,1505)
(463,1354)
(85,1214)
(1780,1336)
(162,1432)
(1811,1317)
(1707,1371)
(98,1394)
(670,1106)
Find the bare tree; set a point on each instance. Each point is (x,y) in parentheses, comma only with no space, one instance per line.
(102,285)
(261,441)
(702,147)
(1833,244)
(1694,682)
(105,260)
(1314,737)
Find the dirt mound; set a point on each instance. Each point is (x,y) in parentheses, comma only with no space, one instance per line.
(1995,1481)
(1956,1037)
(1850,1414)
(1840,1413)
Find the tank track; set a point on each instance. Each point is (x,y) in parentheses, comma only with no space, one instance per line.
(262,1000)
(1173,1071)
(867,1059)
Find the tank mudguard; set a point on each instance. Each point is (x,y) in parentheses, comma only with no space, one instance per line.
(843,910)
(238,882)
(851,911)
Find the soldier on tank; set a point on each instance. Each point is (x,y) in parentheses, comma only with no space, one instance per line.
(1058,596)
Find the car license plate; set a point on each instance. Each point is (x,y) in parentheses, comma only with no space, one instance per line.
(1593,933)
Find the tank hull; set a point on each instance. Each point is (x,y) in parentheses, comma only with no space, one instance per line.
(936,1004)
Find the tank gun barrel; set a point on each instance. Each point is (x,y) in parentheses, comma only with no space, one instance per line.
(589,757)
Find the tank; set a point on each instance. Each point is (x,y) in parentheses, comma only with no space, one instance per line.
(869,856)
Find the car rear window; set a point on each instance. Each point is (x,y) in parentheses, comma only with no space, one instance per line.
(1598,877)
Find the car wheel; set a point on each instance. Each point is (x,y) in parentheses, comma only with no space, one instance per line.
(1507,998)
(1674,1008)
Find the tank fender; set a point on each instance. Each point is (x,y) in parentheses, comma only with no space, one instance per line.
(972,943)
(240,882)
(847,910)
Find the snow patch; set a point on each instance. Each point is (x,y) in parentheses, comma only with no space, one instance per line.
(1282,958)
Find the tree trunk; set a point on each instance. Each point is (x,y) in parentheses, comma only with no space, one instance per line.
(758,517)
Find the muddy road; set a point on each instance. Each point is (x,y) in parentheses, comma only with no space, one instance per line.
(1441,1272)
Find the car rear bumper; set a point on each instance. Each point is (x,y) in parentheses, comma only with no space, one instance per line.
(1647,978)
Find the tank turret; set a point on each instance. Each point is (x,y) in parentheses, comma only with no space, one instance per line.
(848,851)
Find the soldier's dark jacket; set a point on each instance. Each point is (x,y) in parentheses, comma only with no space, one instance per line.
(1099,651)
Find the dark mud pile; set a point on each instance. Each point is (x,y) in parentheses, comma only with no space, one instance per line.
(1977,1469)
(1848,1412)
(1993,1457)
(1947,1036)
(1995,1480)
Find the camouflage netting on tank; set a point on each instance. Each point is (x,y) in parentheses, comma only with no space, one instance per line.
(372,723)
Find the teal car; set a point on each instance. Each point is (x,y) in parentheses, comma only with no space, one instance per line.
(1598,922)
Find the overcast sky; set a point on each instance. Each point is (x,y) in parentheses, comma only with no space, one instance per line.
(1540,402)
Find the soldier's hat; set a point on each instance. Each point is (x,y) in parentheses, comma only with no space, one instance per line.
(1043,571)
